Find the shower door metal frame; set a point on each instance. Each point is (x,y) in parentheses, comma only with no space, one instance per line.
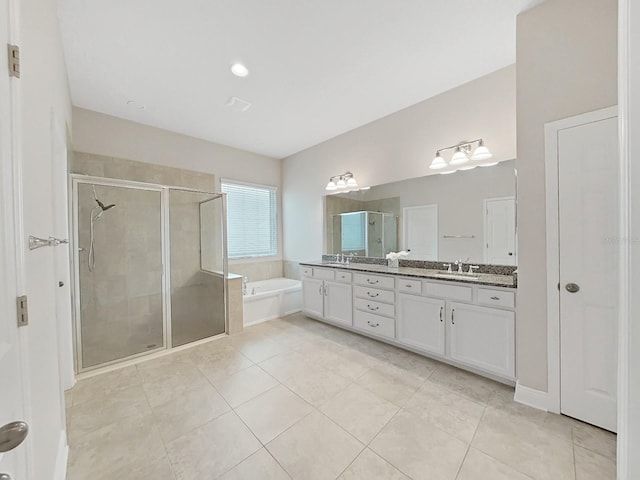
(164,190)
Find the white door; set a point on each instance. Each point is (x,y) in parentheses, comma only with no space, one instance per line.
(13,462)
(421,323)
(588,186)
(338,306)
(420,232)
(483,337)
(500,231)
(313,297)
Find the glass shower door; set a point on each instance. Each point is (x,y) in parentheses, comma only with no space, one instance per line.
(198,265)
(120,271)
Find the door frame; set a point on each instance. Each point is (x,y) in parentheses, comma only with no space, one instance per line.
(485,206)
(551,131)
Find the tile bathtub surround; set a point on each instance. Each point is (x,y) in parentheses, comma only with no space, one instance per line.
(258,270)
(298,399)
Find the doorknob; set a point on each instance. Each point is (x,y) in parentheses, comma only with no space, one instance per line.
(12,435)
(572,287)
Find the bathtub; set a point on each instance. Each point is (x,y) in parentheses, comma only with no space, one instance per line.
(269,299)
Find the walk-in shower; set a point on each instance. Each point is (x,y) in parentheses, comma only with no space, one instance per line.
(149,266)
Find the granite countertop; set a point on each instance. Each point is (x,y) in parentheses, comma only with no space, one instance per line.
(495,280)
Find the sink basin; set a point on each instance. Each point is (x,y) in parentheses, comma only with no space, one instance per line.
(457,276)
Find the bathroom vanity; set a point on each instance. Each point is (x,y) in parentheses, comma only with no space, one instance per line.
(467,321)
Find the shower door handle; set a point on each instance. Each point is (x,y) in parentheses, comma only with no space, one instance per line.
(36,242)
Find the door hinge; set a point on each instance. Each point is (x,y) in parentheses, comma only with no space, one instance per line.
(13,53)
(23,312)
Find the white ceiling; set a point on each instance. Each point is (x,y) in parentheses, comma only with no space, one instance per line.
(318,68)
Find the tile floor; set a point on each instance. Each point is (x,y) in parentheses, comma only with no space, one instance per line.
(297,399)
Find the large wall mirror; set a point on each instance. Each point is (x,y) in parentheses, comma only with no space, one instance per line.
(468,215)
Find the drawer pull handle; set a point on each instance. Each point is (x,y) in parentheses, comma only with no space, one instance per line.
(373,309)
(441,312)
(408,286)
(452,313)
(373,296)
(372,283)
(372,325)
(495,298)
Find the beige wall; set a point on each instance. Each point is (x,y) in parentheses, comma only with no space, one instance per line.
(109,136)
(566,65)
(396,147)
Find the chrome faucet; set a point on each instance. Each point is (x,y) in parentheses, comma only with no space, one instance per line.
(460,263)
(448,265)
(245,280)
(471,267)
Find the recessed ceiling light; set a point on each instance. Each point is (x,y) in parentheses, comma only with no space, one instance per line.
(239,70)
(135,105)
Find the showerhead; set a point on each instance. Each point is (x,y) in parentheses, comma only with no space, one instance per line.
(102,206)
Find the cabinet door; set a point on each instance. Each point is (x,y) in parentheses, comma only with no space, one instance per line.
(421,322)
(338,302)
(312,297)
(483,337)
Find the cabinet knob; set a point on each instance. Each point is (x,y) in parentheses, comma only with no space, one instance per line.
(453,310)
(372,325)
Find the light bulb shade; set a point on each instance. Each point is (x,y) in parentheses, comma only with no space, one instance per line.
(351,183)
(459,157)
(331,186)
(341,183)
(481,153)
(438,162)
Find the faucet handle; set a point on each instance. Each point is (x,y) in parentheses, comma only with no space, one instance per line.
(471,267)
(448,265)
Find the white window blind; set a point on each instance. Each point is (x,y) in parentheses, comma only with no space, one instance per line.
(251,220)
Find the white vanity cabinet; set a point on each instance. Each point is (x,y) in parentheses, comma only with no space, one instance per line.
(421,323)
(374,304)
(327,295)
(482,337)
(471,326)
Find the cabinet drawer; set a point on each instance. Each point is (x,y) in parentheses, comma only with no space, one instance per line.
(453,292)
(378,308)
(376,294)
(306,271)
(374,280)
(323,273)
(409,286)
(344,277)
(374,324)
(497,298)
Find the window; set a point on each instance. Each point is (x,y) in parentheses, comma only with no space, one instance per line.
(251,220)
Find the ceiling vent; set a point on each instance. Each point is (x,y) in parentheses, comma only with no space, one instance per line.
(238,104)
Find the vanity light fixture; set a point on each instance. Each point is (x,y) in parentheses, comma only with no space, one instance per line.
(344,181)
(462,155)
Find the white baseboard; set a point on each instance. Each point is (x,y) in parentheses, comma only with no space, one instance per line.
(531,397)
(62,457)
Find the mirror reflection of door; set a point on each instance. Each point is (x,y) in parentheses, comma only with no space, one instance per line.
(420,232)
(500,231)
